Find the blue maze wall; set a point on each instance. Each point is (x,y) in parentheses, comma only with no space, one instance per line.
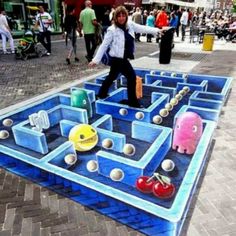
(40,154)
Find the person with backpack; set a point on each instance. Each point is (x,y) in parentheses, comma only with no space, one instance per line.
(119,39)
(70,27)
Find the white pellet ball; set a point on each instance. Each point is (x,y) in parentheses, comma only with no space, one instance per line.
(4,134)
(107,143)
(173,75)
(152,72)
(184,76)
(139,115)
(117,174)
(182,92)
(123,111)
(178,96)
(162,73)
(92,166)
(168,106)
(129,149)
(157,119)
(168,165)
(7,122)
(186,89)
(173,101)
(70,159)
(164,112)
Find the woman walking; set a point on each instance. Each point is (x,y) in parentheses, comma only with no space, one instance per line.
(70,32)
(5,32)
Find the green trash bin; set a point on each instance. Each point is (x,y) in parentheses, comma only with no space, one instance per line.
(208,41)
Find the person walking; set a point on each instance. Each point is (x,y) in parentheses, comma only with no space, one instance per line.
(179,14)
(43,23)
(70,32)
(184,23)
(173,20)
(162,19)
(5,33)
(151,23)
(88,22)
(120,40)
(137,18)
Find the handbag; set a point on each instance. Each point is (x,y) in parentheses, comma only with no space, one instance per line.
(106,58)
(139,87)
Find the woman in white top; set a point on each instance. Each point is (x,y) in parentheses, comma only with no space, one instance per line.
(120,40)
(5,32)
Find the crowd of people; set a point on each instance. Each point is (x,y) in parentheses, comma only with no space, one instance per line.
(114,35)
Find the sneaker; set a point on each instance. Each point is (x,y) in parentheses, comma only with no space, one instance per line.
(48,53)
(6,52)
(68,61)
(13,52)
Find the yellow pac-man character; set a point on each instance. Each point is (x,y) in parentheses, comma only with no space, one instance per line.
(84,137)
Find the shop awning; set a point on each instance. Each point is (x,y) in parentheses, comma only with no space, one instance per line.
(174,2)
(181,3)
(34,8)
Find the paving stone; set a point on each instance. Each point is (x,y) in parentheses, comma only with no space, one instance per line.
(9,219)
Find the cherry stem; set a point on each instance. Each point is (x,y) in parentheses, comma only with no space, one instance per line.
(152,177)
(158,176)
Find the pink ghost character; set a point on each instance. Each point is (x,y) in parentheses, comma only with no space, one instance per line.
(187,132)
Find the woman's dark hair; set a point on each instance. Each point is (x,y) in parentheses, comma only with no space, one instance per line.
(120,10)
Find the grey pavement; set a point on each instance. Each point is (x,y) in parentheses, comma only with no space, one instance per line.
(29,209)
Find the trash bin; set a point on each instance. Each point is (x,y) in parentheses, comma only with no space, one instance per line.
(208,41)
(166,46)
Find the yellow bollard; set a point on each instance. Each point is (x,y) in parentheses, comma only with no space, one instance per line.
(208,41)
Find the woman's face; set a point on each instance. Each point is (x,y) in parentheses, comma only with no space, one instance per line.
(121,18)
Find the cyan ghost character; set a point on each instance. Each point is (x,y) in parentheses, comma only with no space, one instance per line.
(79,98)
(187,132)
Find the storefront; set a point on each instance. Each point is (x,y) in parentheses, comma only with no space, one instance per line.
(21,13)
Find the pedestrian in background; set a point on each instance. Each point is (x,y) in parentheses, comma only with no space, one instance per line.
(179,14)
(71,32)
(137,18)
(5,32)
(151,23)
(173,20)
(88,22)
(120,41)
(162,19)
(184,23)
(43,23)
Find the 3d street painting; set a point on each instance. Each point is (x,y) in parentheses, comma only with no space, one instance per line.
(139,166)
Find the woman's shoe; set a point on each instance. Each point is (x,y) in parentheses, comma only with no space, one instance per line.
(68,61)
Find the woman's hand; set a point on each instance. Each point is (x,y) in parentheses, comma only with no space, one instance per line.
(92,64)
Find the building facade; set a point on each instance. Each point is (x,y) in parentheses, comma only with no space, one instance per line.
(21,13)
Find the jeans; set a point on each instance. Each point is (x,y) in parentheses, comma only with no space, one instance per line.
(90,44)
(183,29)
(5,35)
(41,38)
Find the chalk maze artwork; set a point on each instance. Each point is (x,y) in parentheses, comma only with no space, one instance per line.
(113,158)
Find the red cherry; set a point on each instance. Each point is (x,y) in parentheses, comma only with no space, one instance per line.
(163,190)
(143,185)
